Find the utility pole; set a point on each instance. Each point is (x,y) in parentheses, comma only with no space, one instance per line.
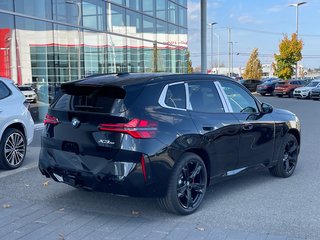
(229,50)
(203,36)
(212,24)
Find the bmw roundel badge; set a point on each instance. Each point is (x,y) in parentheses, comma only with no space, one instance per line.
(75,122)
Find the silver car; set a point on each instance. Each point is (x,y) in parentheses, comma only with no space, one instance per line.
(16,125)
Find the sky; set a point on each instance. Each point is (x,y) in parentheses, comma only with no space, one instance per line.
(258,24)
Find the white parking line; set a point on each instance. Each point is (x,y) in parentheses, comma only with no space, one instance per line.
(21,169)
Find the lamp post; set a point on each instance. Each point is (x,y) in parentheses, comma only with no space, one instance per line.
(212,24)
(218,68)
(296,5)
(203,7)
(79,9)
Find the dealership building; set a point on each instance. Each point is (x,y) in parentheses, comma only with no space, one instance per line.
(48,42)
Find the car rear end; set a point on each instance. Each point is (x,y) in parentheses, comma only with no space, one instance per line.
(282,88)
(94,139)
(266,88)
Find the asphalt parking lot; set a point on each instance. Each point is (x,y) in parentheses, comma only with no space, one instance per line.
(252,205)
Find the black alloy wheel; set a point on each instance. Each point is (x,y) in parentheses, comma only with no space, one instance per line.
(288,159)
(187,185)
(12,149)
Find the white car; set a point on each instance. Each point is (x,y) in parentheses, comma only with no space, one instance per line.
(305,92)
(29,93)
(16,125)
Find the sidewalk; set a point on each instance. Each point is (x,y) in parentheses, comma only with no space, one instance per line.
(29,220)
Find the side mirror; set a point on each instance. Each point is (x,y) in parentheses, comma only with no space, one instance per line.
(266,108)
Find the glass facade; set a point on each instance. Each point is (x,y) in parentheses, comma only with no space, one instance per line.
(44,43)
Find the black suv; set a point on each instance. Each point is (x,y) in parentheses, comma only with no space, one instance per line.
(163,136)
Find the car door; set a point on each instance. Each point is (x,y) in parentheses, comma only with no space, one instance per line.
(219,130)
(257,129)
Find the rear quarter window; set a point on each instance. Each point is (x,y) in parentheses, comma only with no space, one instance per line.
(4,91)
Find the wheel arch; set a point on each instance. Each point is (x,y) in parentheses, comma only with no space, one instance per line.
(296,134)
(17,125)
(205,158)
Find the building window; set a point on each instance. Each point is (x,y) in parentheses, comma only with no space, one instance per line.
(116,19)
(36,8)
(148,7)
(94,15)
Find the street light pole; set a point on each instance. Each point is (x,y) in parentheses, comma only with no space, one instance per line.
(296,5)
(212,24)
(218,68)
(203,17)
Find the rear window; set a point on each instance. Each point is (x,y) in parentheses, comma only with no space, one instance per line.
(108,100)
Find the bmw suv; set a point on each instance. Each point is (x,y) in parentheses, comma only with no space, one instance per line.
(163,136)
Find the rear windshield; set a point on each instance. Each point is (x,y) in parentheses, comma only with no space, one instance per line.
(108,100)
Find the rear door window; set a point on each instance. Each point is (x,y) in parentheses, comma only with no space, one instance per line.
(204,97)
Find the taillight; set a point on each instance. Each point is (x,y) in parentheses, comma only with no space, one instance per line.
(136,128)
(50,120)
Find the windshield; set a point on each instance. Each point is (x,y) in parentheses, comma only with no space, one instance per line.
(25,88)
(313,84)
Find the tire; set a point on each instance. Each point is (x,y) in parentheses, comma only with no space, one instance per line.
(262,94)
(315,99)
(187,185)
(288,158)
(290,95)
(280,96)
(13,148)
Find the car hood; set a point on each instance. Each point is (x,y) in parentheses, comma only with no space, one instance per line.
(282,111)
(28,92)
(304,88)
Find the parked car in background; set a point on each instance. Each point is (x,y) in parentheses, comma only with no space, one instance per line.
(286,87)
(16,125)
(250,84)
(267,87)
(305,92)
(163,136)
(47,93)
(315,93)
(29,93)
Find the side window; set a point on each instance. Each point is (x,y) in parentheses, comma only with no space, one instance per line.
(176,96)
(204,97)
(4,91)
(239,99)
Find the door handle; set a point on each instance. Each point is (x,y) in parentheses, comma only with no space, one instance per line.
(247,127)
(207,128)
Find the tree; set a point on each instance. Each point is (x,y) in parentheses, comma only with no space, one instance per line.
(189,63)
(289,55)
(253,68)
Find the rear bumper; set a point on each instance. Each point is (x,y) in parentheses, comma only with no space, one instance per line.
(103,177)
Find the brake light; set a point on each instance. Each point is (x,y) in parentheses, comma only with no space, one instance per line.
(50,120)
(136,128)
